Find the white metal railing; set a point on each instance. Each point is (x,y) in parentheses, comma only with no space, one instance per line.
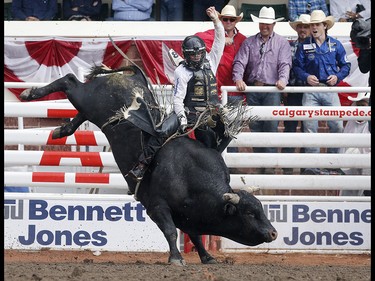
(238,181)
(235,160)
(244,139)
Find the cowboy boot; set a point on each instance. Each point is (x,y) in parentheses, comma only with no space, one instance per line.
(138,171)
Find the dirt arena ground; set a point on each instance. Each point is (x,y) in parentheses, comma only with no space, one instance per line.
(85,265)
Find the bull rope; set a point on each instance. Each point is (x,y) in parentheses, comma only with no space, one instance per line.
(233,121)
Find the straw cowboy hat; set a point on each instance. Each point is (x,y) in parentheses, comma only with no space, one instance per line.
(318,16)
(266,15)
(230,12)
(303,19)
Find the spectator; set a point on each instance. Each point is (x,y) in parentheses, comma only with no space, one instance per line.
(298,7)
(350,10)
(172,10)
(264,59)
(302,27)
(321,61)
(82,10)
(233,41)
(132,10)
(34,10)
(357,127)
(200,6)
(361,36)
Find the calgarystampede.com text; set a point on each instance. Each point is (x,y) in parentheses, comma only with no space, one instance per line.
(311,113)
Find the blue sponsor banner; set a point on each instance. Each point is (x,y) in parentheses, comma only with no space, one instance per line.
(118,223)
(341,226)
(98,225)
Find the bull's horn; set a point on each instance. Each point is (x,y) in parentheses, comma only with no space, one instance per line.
(251,189)
(231,197)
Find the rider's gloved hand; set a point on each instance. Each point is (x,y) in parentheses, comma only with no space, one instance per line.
(182,128)
(221,109)
(211,121)
(183,123)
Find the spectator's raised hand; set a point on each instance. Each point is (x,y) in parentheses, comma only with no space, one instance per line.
(212,13)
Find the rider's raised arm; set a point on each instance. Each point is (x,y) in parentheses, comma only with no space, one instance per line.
(219,41)
(181,78)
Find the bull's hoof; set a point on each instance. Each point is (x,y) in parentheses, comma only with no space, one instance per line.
(208,260)
(56,134)
(178,262)
(26,94)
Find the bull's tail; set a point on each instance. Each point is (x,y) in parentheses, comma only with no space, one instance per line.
(102,70)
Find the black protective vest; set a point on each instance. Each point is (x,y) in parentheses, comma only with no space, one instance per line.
(201,89)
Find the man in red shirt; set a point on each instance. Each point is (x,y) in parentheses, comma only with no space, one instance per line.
(233,41)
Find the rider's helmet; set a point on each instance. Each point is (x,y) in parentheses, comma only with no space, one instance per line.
(193,46)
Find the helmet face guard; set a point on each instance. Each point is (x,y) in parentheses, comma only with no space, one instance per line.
(194,46)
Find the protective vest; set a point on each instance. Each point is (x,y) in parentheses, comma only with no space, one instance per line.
(201,89)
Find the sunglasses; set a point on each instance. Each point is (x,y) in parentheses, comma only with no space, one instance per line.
(228,19)
(261,51)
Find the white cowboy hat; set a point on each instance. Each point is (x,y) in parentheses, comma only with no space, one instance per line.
(266,15)
(302,19)
(230,12)
(318,16)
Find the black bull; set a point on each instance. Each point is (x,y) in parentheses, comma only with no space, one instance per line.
(186,185)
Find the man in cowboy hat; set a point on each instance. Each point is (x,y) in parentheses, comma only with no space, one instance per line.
(321,61)
(233,41)
(263,59)
(302,27)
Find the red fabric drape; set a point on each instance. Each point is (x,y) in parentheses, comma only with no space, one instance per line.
(56,58)
(152,57)
(112,58)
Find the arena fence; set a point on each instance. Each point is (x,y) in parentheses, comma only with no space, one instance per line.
(274,204)
(63,109)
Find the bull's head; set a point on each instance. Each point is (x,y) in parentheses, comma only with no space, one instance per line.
(246,216)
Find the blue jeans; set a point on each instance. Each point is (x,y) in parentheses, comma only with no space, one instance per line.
(311,126)
(235,99)
(172,10)
(293,99)
(265,99)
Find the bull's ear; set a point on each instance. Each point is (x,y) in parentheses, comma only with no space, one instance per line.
(229,209)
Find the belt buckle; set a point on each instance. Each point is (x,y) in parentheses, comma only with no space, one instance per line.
(258,83)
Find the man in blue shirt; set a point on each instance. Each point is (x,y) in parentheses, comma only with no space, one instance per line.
(321,61)
(82,10)
(132,10)
(34,10)
(298,7)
